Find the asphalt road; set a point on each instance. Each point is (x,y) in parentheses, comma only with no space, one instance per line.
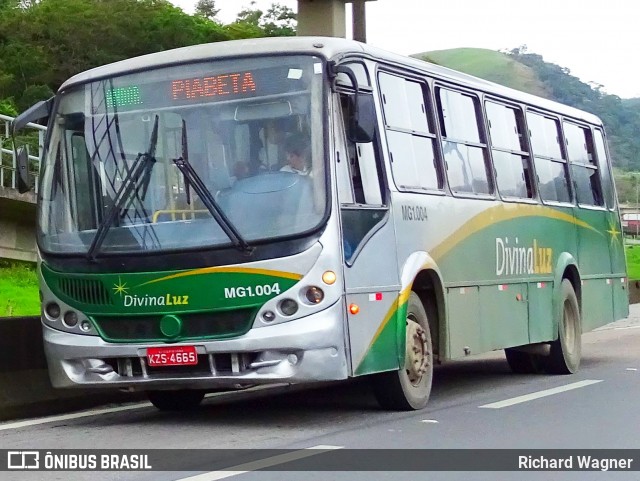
(476,404)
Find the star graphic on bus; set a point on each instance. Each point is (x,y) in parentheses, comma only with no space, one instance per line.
(120,287)
(613,231)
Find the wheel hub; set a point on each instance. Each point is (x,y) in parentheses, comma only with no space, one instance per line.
(417,352)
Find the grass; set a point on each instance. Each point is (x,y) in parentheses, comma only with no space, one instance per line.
(633,261)
(490,65)
(19,293)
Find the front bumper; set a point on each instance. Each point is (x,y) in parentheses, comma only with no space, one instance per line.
(307,349)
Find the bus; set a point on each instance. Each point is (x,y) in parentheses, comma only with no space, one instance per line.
(631,223)
(436,216)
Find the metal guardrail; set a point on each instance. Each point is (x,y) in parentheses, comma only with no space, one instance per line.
(8,164)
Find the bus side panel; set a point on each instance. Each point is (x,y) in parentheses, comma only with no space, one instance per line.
(540,312)
(373,331)
(595,266)
(503,310)
(620,298)
(463,322)
(597,302)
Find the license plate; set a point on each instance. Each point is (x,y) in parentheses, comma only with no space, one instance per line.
(172,356)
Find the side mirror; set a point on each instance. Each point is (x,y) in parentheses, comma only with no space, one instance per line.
(38,111)
(362,121)
(362,125)
(24,176)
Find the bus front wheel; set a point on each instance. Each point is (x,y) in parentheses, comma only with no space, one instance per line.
(565,353)
(183,400)
(409,388)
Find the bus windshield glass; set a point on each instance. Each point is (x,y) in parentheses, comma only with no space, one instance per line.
(250,132)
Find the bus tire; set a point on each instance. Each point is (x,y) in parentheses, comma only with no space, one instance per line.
(409,388)
(522,362)
(183,400)
(565,352)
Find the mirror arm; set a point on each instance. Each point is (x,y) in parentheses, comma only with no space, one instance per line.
(38,111)
(334,70)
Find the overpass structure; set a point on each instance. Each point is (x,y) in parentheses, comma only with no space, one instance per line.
(17,211)
(328,18)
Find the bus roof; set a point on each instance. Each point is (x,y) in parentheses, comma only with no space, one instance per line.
(329,47)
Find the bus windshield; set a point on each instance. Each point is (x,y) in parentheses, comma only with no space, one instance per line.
(140,160)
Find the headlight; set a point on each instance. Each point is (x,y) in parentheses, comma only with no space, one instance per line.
(288,307)
(314,295)
(52,310)
(70,318)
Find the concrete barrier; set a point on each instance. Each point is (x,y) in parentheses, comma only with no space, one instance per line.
(25,389)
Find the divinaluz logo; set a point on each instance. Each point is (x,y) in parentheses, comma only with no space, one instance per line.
(133,300)
(515,259)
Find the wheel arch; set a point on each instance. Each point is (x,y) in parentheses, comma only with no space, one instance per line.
(566,268)
(421,275)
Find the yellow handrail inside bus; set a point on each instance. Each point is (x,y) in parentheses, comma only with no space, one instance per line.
(177,212)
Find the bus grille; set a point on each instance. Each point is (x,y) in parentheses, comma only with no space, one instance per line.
(207,325)
(86,291)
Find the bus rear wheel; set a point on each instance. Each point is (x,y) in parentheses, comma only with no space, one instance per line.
(565,353)
(409,388)
(183,400)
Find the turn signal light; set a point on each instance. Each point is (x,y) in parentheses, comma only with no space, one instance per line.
(329,277)
(354,309)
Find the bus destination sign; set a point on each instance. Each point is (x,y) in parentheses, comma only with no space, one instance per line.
(227,85)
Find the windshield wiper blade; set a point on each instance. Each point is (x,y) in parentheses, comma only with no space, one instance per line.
(141,169)
(192,179)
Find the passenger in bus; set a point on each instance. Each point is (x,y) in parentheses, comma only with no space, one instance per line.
(241,170)
(273,136)
(297,152)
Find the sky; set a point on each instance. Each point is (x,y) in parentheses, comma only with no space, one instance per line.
(597,41)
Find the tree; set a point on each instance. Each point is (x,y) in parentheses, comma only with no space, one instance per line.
(250,15)
(279,21)
(207,9)
(7,107)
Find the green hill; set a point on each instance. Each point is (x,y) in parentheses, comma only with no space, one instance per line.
(489,65)
(529,72)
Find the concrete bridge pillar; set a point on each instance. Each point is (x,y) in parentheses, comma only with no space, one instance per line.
(17,225)
(328,18)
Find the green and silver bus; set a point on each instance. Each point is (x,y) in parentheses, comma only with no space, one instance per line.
(438,216)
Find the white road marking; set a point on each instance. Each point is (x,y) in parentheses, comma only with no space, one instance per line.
(261,463)
(66,417)
(625,328)
(430,421)
(539,394)
(632,369)
(129,407)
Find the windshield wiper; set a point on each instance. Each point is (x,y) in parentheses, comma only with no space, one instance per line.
(192,179)
(140,170)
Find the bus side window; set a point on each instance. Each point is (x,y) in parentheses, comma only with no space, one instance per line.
(509,150)
(364,168)
(583,164)
(465,152)
(410,134)
(359,185)
(551,167)
(605,169)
